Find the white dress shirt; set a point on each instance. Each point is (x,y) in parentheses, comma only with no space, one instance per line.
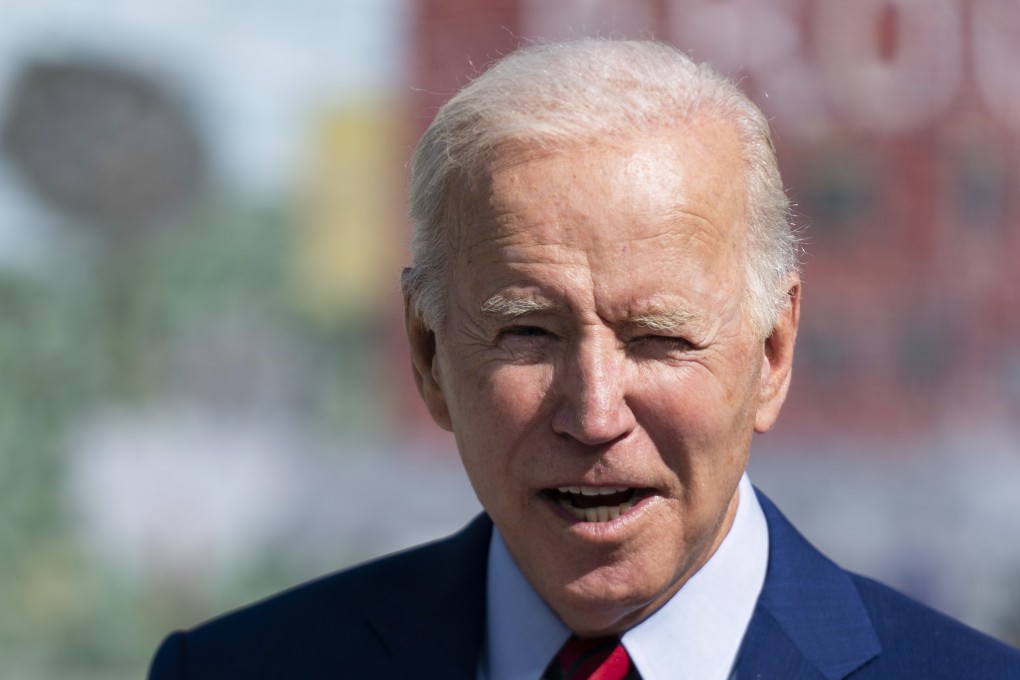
(696,634)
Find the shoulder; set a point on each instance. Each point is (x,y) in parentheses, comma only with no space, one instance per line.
(915,638)
(814,614)
(338,619)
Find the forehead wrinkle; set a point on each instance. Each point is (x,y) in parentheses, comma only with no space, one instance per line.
(705,230)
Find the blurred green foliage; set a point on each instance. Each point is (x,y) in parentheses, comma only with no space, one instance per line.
(100,328)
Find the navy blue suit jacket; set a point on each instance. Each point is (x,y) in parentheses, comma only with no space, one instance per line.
(420,614)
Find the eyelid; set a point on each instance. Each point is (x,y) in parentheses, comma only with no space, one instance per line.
(534,330)
(663,336)
(525,327)
(674,342)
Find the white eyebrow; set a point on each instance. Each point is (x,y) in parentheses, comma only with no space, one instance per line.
(667,321)
(511,307)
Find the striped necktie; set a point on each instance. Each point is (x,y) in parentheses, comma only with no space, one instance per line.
(592,659)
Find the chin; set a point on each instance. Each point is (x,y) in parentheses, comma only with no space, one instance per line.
(609,600)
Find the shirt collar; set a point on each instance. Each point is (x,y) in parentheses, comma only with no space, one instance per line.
(696,634)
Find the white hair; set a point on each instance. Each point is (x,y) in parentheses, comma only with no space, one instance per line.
(556,96)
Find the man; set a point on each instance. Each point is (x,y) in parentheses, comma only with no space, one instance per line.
(602,308)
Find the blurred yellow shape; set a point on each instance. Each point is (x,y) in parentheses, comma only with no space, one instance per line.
(351,234)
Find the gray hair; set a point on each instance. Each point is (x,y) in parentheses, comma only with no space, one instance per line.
(555,96)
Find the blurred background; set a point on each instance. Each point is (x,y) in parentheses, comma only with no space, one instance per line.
(205,396)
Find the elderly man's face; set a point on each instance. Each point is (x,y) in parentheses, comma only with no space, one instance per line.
(598,369)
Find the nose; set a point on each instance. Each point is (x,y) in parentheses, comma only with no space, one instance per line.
(592,389)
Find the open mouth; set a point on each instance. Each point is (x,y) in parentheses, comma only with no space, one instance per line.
(597,503)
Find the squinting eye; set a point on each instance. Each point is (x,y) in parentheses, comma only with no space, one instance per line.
(662,343)
(525,331)
(526,343)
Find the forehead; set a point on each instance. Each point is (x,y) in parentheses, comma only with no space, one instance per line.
(679,193)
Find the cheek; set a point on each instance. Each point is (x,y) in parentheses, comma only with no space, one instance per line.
(498,429)
(519,392)
(697,412)
(495,409)
(685,398)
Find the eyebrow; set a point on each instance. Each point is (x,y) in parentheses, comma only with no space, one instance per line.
(503,306)
(509,307)
(671,320)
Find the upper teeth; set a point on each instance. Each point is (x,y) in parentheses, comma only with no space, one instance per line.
(593,490)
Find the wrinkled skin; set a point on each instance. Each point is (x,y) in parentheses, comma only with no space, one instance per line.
(596,335)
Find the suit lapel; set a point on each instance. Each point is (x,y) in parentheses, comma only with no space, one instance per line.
(810,621)
(432,614)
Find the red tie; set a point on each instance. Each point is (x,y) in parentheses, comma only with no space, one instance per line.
(593,659)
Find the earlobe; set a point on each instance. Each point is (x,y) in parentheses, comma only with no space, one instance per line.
(424,366)
(778,360)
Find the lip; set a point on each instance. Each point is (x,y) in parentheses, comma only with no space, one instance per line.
(607,529)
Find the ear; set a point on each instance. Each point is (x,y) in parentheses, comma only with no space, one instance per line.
(778,363)
(424,365)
